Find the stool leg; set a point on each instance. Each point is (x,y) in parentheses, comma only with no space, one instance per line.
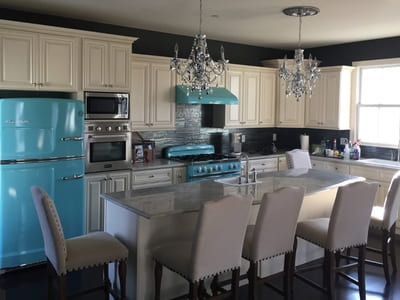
(235,284)
(252,277)
(50,281)
(193,290)
(122,278)
(157,276)
(293,264)
(385,237)
(330,272)
(62,285)
(288,276)
(361,271)
(107,283)
(393,247)
(214,285)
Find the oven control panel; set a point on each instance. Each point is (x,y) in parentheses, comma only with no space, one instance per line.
(213,168)
(106,127)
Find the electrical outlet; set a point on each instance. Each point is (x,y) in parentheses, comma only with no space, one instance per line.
(343,141)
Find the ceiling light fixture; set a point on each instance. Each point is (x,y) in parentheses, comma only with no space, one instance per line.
(303,79)
(199,71)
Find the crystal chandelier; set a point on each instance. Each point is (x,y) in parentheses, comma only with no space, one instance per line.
(303,78)
(199,71)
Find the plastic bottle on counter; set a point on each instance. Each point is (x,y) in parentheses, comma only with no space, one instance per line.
(334,144)
(323,147)
(346,152)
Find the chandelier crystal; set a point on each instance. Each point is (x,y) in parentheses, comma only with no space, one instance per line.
(199,71)
(304,77)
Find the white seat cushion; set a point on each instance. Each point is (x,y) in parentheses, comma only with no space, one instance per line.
(314,230)
(377,215)
(93,249)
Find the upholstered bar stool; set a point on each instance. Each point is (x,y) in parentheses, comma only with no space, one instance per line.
(384,219)
(273,235)
(347,227)
(64,256)
(216,246)
(298,159)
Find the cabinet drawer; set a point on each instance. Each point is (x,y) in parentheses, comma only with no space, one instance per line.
(373,173)
(151,178)
(264,165)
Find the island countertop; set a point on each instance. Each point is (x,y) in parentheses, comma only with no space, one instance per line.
(188,197)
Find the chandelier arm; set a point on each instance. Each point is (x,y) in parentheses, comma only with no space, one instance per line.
(300,23)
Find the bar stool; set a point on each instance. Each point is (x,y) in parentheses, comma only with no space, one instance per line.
(273,235)
(216,246)
(64,256)
(347,227)
(384,219)
(298,159)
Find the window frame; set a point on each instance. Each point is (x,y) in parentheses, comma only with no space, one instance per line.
(391,62)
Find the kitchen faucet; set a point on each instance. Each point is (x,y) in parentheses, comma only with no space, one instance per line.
(247,166)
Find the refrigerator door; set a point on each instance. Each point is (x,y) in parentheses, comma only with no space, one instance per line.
(40,128)
(21,239)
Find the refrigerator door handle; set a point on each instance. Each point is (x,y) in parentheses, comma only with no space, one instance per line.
(73,177)
(74,138)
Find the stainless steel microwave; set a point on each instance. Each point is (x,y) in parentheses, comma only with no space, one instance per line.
(106,106)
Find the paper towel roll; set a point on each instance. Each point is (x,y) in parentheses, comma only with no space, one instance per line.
(304,141)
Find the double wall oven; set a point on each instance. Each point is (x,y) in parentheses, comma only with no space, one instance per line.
(108,144)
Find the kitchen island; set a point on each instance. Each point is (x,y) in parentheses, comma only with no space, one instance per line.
(145,218)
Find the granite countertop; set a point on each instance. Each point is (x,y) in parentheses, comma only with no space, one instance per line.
(372,162)
(187,197)
(156,164)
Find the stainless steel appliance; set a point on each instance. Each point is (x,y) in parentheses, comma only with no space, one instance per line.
(106,106)
(202,163)
(107,146)
(236,140)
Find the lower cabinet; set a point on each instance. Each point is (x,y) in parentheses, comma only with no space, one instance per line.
(151,178)
(282,163)
(330,166)
(178,175)
(263,165)
(96,184)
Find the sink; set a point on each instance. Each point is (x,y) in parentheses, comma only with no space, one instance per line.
(234,181)
(381,162)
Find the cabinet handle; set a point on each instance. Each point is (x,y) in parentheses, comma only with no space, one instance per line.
(151,176)
(74,138)
(75,176)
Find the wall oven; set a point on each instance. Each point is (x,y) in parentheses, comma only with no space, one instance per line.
(106,106)
(107,146)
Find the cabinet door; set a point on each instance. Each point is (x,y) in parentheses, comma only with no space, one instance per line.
(331,98)
(290,111)
(267,99)
(162,106)
(179,175)
(58,63)
(140,95)
(250,101)
(313,106)
(94,186)
(119,181)
(95,64)
(18,59)
(119,66)
(234,83)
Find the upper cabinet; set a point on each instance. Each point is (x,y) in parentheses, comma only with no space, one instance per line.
(329,106)
(255,87)
(42,61)
(106,65)
(152,93)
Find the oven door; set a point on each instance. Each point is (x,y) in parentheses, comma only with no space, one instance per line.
(107,152)
(212,177)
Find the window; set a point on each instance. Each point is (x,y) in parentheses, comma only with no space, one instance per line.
(378,106)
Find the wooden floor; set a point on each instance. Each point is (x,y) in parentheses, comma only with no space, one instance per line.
(31,284)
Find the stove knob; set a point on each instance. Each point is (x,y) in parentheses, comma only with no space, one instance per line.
(215,168)
(199,170)
(98,128)
(220,167)
(118,128)
(230,166)
(109,128)
(209,170)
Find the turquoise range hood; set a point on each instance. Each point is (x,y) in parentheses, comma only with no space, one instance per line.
(218,96)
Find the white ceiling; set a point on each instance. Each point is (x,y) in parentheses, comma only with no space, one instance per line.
(252,22)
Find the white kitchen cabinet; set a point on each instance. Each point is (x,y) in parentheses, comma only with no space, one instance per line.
(96,184)
(38,61)
(142,179)
(106,65)
(263,165)
(178,175)
(329,106)
(255,89)
(282,163)
(330,166)
(152,93)
(289,111)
